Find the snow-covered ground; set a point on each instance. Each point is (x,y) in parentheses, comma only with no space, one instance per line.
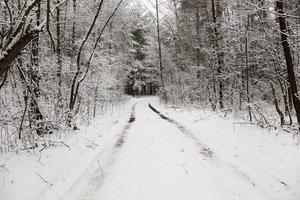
(197,155)
(267,159)
(50,173)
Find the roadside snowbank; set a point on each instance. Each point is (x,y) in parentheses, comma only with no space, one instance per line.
(48,173)
(267,158)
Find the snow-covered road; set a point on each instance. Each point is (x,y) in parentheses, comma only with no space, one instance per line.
(135,153)
(157,161)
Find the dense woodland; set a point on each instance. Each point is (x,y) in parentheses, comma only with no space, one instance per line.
(65,61)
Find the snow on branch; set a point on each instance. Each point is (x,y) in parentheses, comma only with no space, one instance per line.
(19,39)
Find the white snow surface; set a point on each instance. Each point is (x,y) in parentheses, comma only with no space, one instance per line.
(60,166)
(159,160)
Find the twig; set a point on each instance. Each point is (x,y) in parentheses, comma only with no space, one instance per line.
(3,166)
(43,179)
(65,144)
(44,147)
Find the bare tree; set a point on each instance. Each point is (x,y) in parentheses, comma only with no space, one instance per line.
(217,11)
(288,56)
(159,51)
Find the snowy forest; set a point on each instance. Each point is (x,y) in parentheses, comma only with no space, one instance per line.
(67,64)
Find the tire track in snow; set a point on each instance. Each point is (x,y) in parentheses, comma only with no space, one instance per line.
(206,151)
(97,171)
(124,134)
(97,181)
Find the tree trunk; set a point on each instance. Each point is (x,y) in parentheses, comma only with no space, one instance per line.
(59,59)
(288,57)
(159,52)
(280,113)
(35,112)
(217,14)
(247,69)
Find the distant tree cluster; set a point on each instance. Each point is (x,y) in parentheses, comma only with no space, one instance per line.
(142,77)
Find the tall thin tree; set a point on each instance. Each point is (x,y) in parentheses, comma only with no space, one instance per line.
(281,16)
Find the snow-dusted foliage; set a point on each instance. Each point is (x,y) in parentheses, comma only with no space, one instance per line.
(36,91)
(223,123)
(228,54)
(62,60)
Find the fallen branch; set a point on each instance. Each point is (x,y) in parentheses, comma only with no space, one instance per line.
(65,144)
(43,179)
(3,166)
